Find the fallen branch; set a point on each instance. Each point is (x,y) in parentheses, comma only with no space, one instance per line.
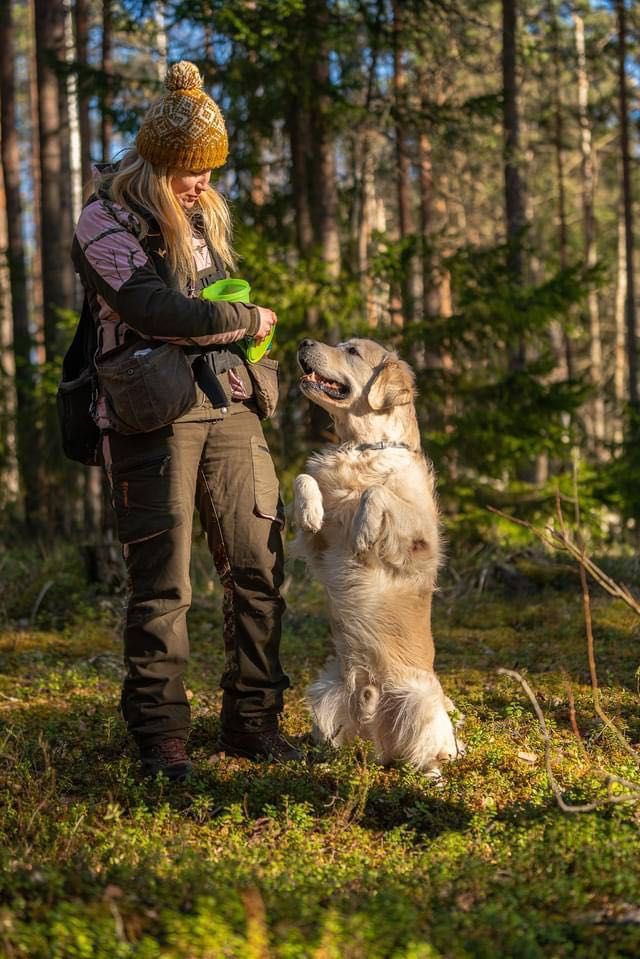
(558,539)
(611,799)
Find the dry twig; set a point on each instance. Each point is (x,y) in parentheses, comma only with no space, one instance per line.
(611,799)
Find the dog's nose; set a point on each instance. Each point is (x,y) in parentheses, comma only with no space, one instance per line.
(306,343)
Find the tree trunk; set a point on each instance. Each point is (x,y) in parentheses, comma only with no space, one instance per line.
(57,274)
(325,183)
(9,472)
(403,165)
(558,132)
(588,174)
(34,265)
(20,339)
(620,365)
(106,122)
(81,12)
(300,146)
(513,188)
(627,201)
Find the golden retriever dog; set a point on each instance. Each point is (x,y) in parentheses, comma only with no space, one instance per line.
(367,525)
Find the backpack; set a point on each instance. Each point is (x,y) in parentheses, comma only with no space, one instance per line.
(77,392)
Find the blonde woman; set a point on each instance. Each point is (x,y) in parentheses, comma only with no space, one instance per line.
(152,236)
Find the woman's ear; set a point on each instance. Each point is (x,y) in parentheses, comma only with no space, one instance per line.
(392,385)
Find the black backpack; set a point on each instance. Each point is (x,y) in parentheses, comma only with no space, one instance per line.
(77,392)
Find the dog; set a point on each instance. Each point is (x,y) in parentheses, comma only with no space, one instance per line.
(367,526)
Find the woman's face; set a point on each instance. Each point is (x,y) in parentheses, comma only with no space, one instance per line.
(188,185)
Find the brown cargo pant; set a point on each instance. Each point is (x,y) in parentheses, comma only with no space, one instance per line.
(224,468)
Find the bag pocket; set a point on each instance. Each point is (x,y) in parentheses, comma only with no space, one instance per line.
(79,433)
(146,387)
(265,378)
(265,482)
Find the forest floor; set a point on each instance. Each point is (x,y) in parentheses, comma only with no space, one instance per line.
(334,858)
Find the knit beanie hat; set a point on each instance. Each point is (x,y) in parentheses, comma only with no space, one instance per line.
(184,130)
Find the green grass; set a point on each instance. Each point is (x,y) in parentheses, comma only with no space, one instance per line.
(331,859)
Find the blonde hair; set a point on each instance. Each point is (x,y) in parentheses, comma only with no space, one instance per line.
(137,181)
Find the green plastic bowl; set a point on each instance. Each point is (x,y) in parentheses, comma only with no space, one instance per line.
(232,291)
(239,291)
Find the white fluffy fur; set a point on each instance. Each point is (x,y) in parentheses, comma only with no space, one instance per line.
(368,527)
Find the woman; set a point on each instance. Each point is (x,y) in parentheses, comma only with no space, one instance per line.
(148,241)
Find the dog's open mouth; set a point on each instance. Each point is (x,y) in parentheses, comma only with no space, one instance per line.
(337,391)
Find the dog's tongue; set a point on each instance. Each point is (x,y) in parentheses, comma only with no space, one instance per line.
(315,378)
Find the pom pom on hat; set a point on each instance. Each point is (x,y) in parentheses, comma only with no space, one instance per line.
(184,130)
(183,76)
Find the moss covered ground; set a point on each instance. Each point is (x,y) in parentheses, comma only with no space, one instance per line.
(334,858)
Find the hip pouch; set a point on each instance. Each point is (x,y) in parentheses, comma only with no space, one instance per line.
(265,378)
(146,386)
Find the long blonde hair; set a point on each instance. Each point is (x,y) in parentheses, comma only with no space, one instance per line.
(137,181)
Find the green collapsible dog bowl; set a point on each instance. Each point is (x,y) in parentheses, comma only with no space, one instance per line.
(239,291)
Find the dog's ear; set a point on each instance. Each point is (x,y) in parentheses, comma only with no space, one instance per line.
(392,385)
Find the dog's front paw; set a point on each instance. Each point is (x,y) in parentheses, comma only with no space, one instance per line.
(308,508)
(367,522)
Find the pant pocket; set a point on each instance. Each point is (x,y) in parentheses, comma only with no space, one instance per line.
(142,497)
(265,482)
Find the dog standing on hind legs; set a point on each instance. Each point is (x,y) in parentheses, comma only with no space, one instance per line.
(367,526)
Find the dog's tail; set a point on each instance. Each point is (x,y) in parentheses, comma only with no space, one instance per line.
(419,729)
(368,699)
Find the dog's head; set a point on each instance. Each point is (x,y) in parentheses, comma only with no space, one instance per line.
(367,389)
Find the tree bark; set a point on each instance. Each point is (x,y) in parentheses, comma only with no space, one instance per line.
(513,188)
(57,275)
(558,131)
(106,122)
(20,344)
(403,165)
(300,147)
(588,174)
(620,357)
(627,202)
(325,183)
(81,15)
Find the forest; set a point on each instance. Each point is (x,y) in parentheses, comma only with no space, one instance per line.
(458,181)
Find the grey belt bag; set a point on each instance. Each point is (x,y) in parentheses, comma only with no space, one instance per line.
(146,386)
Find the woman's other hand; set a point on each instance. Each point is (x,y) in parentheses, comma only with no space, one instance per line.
(268,319)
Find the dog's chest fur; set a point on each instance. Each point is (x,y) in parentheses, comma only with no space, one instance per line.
(345,475)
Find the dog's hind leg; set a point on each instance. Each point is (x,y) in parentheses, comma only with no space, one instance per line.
(329,701)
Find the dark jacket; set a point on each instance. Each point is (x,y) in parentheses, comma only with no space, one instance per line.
(131,291)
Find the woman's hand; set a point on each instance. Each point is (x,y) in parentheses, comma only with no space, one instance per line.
(268,319)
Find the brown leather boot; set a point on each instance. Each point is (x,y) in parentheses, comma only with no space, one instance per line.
(168,757)
(268,744)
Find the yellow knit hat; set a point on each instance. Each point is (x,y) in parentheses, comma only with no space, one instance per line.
(184,130)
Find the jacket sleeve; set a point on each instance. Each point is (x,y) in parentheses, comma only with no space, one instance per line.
(112,261)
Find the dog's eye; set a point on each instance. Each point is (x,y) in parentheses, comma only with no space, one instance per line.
(353,351)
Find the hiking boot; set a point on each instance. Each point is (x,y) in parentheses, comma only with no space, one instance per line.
(168,757)
(266,744)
